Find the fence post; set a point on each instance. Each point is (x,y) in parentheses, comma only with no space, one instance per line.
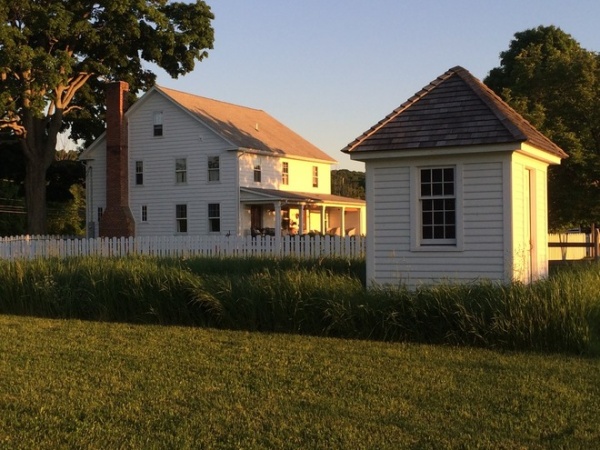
(595,241)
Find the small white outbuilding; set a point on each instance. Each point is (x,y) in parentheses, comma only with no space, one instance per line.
(456,188)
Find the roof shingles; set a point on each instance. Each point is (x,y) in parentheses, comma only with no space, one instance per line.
(247,128)
(456,109)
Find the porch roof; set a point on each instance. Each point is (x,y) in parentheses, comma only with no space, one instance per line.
(250,195)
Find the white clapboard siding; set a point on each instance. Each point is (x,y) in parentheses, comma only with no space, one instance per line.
(28,247)
(393,258)
(183,137)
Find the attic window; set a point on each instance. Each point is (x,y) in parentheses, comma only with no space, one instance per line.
(158,123)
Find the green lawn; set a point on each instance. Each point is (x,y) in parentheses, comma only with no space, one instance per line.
(73,384)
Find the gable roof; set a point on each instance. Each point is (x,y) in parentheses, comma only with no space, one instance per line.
(246,128)
(456,109)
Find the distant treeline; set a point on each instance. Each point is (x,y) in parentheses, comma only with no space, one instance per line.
(348,183)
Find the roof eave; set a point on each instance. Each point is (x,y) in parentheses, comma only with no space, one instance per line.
(434,151)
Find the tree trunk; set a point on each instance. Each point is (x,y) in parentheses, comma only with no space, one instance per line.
(35,196)
(39,147)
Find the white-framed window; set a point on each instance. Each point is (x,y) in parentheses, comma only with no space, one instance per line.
(257,171)
(158,123)
(181,218)
(437,206)
(181,170)
(214,217)
(144,213)
(139,172)
(213,168)
(315,176)
(285,173)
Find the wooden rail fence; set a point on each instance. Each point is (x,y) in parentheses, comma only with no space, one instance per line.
(573,246)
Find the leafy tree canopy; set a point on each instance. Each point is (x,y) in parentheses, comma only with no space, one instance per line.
(348,183)
(555,83)
(55,55)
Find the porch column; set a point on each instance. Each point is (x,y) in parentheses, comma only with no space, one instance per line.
(323,230)
(277,220)
(343,222)
(301,220)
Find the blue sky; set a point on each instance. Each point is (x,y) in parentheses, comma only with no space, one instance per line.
(330,70)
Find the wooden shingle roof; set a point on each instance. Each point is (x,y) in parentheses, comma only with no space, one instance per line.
(454,110)
(247,128)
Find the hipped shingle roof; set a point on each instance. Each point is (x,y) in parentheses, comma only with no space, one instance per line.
(456,109)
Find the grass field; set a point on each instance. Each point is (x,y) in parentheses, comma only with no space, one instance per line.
(76,384)
(321,297)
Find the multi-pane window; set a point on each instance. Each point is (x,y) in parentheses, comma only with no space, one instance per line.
(285,173)
(213,168)
(139,172)
(257,173)
(438,205)
(214,217)
(315,176)
(181,218)
(158,123)
(144,213)
(181,170)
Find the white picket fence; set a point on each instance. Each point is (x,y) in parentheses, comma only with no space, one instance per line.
(29,247)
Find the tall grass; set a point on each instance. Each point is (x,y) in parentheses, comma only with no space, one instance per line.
(319,297)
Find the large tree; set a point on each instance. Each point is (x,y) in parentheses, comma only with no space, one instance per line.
(56,54)
(555,83)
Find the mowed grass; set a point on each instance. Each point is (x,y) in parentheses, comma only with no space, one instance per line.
(87,385)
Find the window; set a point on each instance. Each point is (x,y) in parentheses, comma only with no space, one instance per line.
(181,218)
(100,211)
(158,123)
(257,173)
(139,172)
(285,173)
(213,168)
(437,200)
(181,170)
(315,176)
(214,217)
(144,213)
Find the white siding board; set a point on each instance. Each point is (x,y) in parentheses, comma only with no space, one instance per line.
(183,137)
(483,218)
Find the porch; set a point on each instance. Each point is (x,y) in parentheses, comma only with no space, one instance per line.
(281,213)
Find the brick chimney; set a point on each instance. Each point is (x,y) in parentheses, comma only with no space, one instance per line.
(117,220)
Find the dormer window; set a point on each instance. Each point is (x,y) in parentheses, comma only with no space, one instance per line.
(158,123)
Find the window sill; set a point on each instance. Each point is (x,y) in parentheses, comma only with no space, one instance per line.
(437,248)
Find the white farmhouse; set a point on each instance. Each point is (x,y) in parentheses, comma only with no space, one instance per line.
(456,188)
(176,163)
